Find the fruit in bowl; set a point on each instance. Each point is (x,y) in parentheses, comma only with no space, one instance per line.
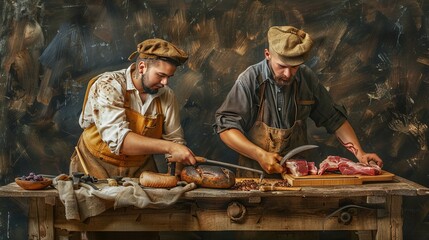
(33,182)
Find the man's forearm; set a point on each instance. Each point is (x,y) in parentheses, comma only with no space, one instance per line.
(236,140)
(135,144)
(347,137)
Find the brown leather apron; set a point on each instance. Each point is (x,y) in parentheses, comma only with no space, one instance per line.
(272,139)
(98,158)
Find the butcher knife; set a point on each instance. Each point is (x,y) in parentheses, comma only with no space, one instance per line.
(295,151)
(205,160)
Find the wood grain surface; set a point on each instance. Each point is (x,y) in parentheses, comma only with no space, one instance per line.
(336,179)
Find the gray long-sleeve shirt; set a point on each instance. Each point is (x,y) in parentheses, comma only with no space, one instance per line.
(240,108)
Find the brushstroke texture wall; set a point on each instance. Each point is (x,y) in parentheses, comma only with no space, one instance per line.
(372,56)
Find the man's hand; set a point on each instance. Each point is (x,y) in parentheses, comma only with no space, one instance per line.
(365,158)
(270,162)
(181,153)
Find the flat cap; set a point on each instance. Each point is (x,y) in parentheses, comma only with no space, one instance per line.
(160,49)
(291,44)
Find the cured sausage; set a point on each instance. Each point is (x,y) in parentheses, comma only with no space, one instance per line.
(157,180)
(208,176)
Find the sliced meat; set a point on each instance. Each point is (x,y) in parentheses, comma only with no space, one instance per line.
(330,164)
(297,167)
(300,167)
(312,169)
(347,167)
(352,168)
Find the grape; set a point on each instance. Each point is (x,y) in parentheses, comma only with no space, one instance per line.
(32,177)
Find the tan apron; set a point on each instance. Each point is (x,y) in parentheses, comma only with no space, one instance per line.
(272,139)
(98,158)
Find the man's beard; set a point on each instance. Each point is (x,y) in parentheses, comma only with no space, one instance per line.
(280,80)
(145,88)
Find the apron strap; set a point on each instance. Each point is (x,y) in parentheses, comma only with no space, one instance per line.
(158,106)
(295,90)
(261,98)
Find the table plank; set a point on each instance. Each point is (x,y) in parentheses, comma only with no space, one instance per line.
(288,214)
(203,209)
(398,186)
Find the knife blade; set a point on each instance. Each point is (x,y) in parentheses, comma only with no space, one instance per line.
(295,151)
(205,160)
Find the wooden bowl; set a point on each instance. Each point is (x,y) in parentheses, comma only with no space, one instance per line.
(33,185)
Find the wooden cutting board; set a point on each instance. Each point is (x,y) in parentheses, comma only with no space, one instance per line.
(331,179)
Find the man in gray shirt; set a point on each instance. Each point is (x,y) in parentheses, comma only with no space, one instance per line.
(264,115)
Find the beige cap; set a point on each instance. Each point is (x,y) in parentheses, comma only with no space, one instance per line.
(291,44)
(160,49)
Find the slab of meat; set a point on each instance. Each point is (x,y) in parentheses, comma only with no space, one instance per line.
(297,167)
(347,167)
(352,168)
(300,167)
(330,164)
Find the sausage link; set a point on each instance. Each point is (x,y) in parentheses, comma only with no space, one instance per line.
(157,180)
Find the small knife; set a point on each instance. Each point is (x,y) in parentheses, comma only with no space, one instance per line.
(295,151)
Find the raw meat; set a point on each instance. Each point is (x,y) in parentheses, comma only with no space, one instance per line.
(347,167)
(352,168)
(300,167)
(297,167)
(330,164)
(312,169)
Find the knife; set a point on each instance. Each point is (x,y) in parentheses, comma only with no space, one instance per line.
(295,151)
(205,160)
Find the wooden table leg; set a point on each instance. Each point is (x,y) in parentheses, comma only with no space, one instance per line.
(40,219)
(390,226)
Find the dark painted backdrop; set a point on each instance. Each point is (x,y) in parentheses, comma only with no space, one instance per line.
(372,56)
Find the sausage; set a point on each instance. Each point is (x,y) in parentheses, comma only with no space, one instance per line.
(157,180)
(208,176)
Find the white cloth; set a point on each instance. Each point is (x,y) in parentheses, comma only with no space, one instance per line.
(87,202)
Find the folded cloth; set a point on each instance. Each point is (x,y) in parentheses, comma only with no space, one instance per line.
(87,202)
(134,195)
(67,196)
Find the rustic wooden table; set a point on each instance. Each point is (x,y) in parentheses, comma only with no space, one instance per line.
(372,207)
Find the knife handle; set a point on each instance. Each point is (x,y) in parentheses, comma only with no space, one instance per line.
(200,159)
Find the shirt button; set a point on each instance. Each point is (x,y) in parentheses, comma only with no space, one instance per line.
(279,109)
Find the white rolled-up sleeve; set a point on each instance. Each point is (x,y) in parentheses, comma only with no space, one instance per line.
(106,102)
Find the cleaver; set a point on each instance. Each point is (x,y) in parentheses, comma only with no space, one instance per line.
(295,151)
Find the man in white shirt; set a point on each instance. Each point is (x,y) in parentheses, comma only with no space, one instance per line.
(131,114)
